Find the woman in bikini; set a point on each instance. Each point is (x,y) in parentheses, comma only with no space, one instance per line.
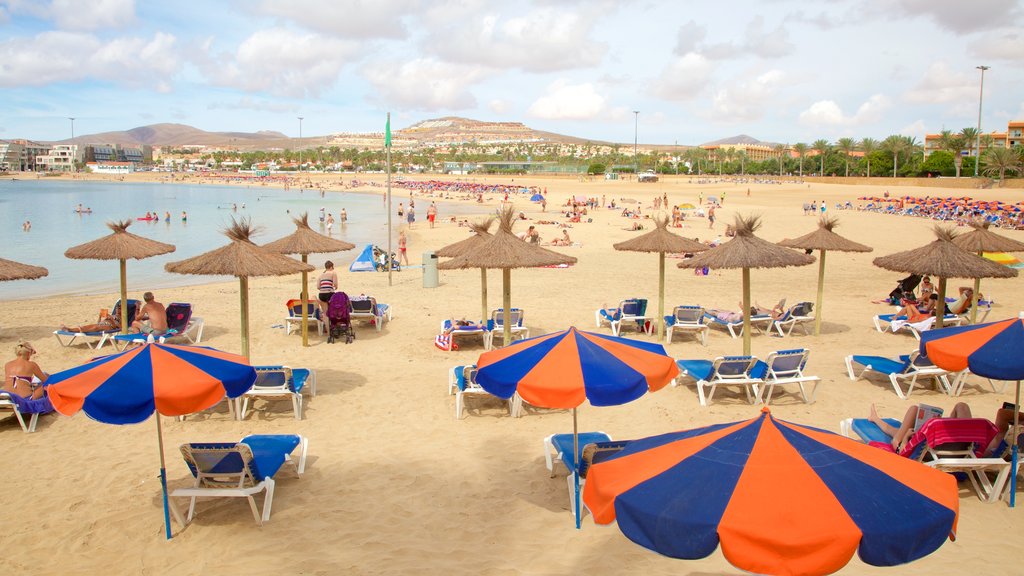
(327,284)
(18,373)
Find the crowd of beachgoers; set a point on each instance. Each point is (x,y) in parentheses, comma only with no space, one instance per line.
(961,209)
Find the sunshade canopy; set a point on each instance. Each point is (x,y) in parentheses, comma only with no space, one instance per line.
(306,241)
(119,245)
(781,498)
(11,270)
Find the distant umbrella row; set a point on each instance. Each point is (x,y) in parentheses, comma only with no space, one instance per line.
(949,256)
(240,258)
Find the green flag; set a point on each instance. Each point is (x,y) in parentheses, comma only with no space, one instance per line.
(387,133)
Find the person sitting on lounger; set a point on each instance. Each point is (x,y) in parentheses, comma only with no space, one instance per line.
(906,429)
(152,319)
(18,374)
(106,323)
(963,302)
(917,312)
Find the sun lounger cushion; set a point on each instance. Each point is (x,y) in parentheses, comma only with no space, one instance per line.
(870,432)
(563,444)
(269,453)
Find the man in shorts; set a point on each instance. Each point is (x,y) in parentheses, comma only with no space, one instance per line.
(432,214)
(152,318)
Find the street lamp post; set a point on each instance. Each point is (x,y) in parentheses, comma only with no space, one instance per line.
(636,127)
(71,142)
(300,145)
(977,143)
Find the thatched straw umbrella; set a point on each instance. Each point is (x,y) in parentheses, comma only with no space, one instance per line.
(505,250)
(747,251)
(480,235)
(243,259)
(120,246)
(662,241)
(944,259)
(11,270)
(980,240)
(305,241)
(824,239)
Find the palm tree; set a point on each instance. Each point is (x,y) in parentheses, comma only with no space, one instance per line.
(896,145)
(846,146)
(741,155)
(1002,160)
(970,136)
(868,146)
(780,149)
(801,150)
(821,146)
(954,144)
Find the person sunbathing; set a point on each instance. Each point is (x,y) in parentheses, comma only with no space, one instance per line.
(963,302)
(756,310)
(106,323)
(19,374)
(463,324)
(916,312)
(906,429)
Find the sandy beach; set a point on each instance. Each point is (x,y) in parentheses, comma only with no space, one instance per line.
(395,484)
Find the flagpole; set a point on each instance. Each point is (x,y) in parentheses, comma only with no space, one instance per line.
(387,151)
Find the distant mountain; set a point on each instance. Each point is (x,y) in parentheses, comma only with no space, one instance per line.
(740,139)
(179,135)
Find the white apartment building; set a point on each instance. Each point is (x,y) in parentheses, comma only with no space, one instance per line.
(62,158)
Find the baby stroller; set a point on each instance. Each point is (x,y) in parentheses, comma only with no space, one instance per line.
(338,320)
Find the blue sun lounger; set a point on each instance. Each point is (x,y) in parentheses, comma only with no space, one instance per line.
(559,448)
(746,372)
(239,470)
(760,322)
(68,337)
(907,368)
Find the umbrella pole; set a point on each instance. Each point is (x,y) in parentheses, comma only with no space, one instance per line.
(163,475)
(305,306)
(576,468)
(661,295)
(506,302)
(746,311)
(124,296)
(974,300)
(243,291)
(483,295)
(940,307)
(821,290)
(1013,451)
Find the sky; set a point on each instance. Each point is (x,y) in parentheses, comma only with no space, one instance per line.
(696,71)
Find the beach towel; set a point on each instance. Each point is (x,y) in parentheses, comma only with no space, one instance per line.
(30,405)
(445,342)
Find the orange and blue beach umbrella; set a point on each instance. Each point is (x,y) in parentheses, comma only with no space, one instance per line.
(564,369)
(991,350)
(129,387)
(779,497)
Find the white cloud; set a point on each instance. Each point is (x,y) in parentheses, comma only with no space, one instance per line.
(348,18)
(755,42)
(943,85)
(52,57)
(247,103)
(94,15)
(828,113)
(745,101)
(424,84)
(689,37)
(74,15)
(961,18)
(541,40)
(282,62)
(684,77)
(499,106)
(1003,44)
(566,101)
(916,128)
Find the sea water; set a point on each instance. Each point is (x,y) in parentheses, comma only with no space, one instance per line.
(50,205)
